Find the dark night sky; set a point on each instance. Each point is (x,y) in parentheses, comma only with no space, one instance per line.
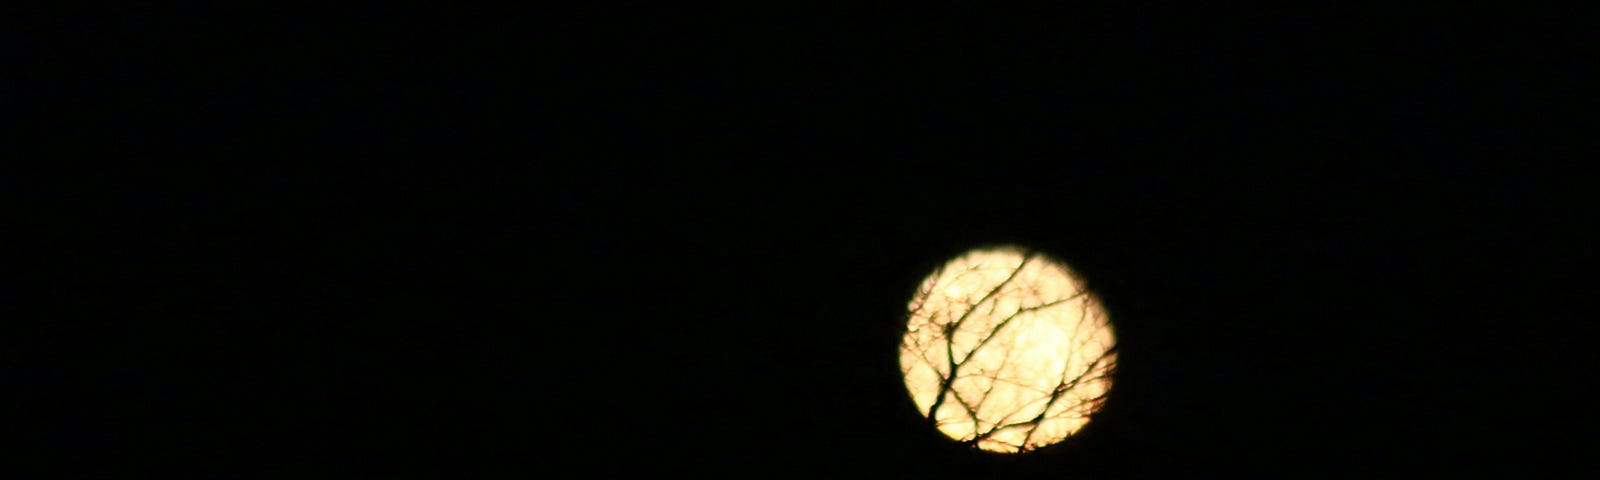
(650,240)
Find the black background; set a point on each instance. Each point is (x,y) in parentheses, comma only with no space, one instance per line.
(633,240)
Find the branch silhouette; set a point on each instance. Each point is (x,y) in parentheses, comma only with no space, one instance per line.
(978,385)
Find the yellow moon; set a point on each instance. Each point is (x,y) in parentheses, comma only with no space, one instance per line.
(1006,350)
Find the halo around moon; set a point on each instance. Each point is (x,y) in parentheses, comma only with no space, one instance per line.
(1006,350)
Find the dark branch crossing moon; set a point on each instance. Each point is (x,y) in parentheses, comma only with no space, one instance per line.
(1007,350)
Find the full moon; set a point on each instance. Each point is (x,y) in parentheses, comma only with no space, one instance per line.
(1007,350)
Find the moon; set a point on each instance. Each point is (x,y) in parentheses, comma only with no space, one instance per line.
(1006,350)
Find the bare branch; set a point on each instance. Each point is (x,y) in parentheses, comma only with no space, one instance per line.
(1000,351)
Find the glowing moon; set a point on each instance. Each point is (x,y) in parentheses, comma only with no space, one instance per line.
(1006,350)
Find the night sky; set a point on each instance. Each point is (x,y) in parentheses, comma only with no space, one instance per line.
(635,241)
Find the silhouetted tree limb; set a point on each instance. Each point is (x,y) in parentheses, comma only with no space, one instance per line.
(1067,399)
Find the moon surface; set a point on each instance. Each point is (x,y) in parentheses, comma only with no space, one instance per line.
(1006,350)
